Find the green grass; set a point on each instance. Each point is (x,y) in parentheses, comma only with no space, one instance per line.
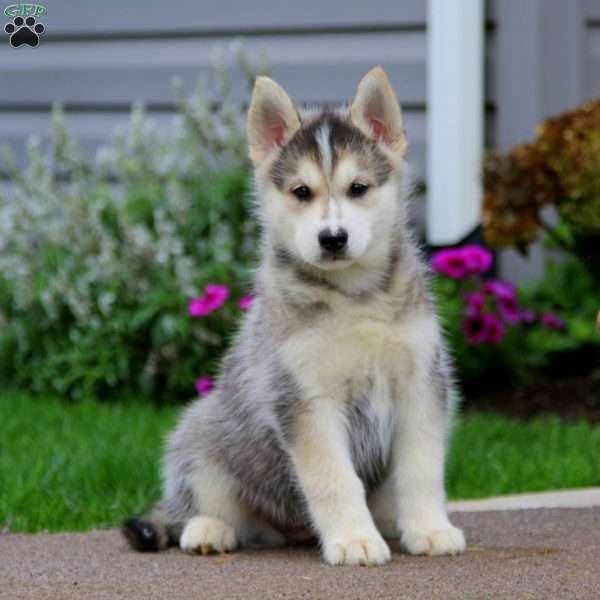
(491,455)
(78,466)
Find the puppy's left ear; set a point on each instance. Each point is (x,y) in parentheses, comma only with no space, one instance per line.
(376,111)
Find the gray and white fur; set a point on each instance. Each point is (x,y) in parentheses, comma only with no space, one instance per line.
(332,409)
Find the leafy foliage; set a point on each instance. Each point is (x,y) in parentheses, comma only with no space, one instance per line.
(99,258)
(560,168)
(555,334)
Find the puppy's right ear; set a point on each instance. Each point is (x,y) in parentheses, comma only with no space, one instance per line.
(272,119)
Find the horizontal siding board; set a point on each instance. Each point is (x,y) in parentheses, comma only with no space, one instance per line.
(104,123)
(314,48)
(107,85)
(153,84)
(316,68)
(117,17)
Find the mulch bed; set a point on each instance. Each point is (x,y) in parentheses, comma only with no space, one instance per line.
(571,399)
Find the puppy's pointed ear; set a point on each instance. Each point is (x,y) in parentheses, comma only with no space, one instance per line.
(376,111)
(272,119)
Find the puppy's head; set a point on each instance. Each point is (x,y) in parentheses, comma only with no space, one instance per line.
(328,182)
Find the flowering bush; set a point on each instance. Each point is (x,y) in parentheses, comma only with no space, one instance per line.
(125,273)
(560,168)
(490,306)
(498,331)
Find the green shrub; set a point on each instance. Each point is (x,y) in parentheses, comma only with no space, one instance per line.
(99,258)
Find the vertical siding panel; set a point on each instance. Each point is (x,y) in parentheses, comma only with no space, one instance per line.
(540,71)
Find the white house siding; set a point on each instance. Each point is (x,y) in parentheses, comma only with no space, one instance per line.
(98,57)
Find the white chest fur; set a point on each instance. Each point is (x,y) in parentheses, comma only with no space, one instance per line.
(356,346)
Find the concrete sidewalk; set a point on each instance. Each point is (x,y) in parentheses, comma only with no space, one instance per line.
(545,554)
(582,498)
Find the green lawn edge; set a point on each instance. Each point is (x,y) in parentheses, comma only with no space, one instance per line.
(87,465)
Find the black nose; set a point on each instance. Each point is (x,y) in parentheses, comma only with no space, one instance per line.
(333,242)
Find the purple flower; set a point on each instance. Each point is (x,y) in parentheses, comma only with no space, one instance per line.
(506,299)
(552,321)
(509,310)
(475,329)
(475,303)
(214,296)
(246,302)
(459,263)
(495,329)
(527,316)
(500,289)
(205,385)
(478,258)
(483,327)
(450,262)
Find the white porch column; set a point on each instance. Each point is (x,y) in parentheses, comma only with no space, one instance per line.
(455,105)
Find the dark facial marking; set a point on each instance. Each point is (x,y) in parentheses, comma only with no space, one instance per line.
(303,143)
(343,136)
(283,257)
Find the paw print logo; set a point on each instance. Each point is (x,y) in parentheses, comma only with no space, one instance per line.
(24,31)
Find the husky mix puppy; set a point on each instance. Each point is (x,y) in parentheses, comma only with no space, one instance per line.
(331,413)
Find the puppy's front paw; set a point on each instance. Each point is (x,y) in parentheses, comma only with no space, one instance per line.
(367,550)
(206,535)
(435,542)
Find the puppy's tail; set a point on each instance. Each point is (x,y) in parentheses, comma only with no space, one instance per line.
(151,532)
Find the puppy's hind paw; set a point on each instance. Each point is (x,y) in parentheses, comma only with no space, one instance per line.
(448,540)
(205,535)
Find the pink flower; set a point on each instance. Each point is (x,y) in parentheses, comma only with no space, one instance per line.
(205,385)
(475,329)
(478,258)
(475,303)
(450,262)
(495,329)
(552,321)
(214,296)
(459,263)
(509,310)
(483,327)
(500,289)
(246,302)
(506,299)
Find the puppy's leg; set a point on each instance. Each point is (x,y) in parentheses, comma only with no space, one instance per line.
(221,522)
(384,508)
(334,492)
(419,455)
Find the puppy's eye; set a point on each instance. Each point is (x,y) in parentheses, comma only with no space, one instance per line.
(357,190)
(302,192)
